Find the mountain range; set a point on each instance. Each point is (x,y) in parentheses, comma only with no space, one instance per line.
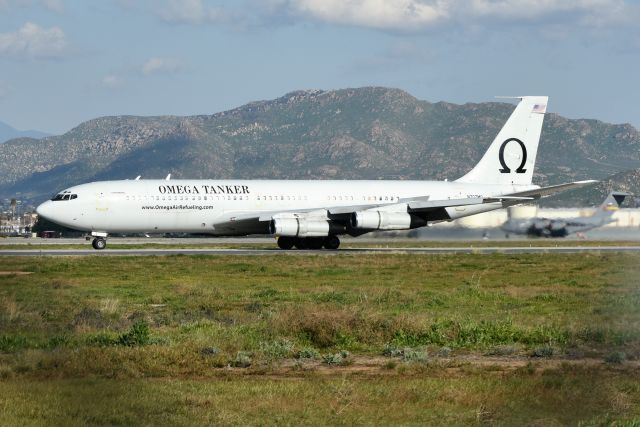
(7,132)
(362,133)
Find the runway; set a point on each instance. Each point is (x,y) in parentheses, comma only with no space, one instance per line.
(346,251)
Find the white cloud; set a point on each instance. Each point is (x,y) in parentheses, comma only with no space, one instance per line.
(191,12)
(418,15)
(33,41)
(160,65)
(382,14)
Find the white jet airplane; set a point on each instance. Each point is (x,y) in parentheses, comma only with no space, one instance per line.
(311,214)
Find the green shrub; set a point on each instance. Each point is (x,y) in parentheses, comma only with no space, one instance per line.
(343,358)
(308,353)
(138,334)
(415,355)
(391,350)
(278,349)
(242,360)
(407,354)
(9,343)
(543,351)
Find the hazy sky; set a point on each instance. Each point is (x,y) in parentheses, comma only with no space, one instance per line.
(66,61)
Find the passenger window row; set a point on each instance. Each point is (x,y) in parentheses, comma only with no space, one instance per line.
(364,198)
(187,198)
(288,198)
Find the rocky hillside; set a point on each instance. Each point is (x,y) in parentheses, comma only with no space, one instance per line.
(370,133)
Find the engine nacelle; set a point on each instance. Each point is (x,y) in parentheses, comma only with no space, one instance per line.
(558,229)
(557,225)
(541,224)
(380,220)
(297,227)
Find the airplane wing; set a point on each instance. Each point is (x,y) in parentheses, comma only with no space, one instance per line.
(547,191)
(429,210)
(418,205)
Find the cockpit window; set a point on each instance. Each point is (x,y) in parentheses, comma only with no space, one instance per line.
(65,195)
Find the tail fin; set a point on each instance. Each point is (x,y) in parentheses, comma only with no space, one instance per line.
(611,204)
(512,154)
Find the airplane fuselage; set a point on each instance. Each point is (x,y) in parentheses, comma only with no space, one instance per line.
(201,206)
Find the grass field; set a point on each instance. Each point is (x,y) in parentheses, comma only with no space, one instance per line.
(364,339)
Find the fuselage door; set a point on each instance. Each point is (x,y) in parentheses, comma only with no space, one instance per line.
(101,203)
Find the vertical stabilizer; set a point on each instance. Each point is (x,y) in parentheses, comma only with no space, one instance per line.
(611,204)
(511,156)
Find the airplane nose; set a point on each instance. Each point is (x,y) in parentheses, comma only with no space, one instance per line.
(44,209)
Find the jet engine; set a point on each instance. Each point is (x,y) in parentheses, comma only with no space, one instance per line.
(549,228)
(380,220)
(558,229)
(297,227)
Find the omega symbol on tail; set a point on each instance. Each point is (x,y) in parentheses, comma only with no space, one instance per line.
(505,168)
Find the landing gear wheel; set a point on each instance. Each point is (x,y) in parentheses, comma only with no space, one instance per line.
(314,242)
(331,242)
(300,243)
(99,243)
(285,242)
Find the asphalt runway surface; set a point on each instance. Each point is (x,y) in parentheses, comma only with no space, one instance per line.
(275,251)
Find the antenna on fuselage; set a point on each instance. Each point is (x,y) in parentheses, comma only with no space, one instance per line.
(168,177)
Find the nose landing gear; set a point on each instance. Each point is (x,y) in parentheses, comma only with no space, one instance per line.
(100,240)
(99,243)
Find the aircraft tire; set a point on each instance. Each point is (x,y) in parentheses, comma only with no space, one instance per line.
(99,243)
(300,243)
(331,242)
(285,242)
(314,242)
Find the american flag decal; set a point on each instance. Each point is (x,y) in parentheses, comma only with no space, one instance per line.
(539,108)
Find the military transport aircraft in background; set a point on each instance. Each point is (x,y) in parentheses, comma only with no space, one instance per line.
(562,227)
(311,214)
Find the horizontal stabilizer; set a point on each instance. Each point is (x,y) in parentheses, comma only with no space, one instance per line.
(552,189)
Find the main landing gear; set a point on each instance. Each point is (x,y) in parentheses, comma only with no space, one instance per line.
(99,243)
(329,242)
